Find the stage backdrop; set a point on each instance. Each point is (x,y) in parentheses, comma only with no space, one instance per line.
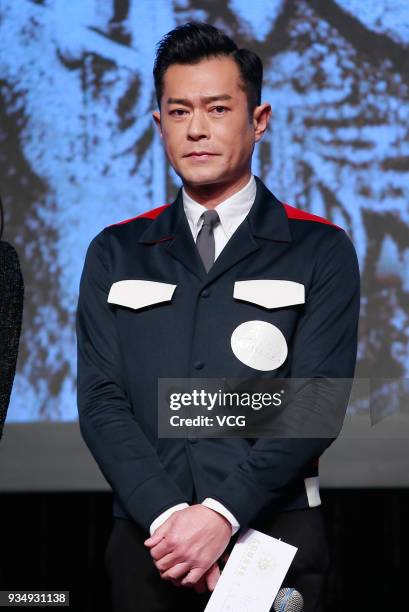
(79,151)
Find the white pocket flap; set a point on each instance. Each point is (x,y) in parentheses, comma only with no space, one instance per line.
(270,293)
(140,293)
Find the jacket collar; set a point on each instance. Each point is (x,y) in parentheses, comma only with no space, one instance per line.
(267,219)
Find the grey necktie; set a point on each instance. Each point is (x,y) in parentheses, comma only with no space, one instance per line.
(205,238)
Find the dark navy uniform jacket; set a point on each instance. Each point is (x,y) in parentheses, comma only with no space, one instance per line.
(125,345)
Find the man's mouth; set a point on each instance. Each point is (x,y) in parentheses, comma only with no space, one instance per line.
(202,155)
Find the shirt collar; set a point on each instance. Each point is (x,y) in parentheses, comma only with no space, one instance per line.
(231,211)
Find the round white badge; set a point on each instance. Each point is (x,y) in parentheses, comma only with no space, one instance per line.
(260,345)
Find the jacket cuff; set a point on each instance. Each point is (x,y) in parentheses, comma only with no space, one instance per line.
(151,498)
(242,497)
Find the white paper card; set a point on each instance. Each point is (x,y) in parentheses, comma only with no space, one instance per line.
(253,574)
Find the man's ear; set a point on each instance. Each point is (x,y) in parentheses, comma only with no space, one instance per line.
(156,118)
(261,117)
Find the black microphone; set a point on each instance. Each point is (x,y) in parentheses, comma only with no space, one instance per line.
(288,600)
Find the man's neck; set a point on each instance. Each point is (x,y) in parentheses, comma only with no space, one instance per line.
(213,194)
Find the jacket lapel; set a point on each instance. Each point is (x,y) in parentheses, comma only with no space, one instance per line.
(171,231)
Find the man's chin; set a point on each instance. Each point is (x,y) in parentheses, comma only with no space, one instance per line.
(202,176)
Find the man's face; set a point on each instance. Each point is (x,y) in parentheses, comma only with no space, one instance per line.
(204,109)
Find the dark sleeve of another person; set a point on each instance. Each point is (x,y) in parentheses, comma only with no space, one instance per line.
(11,316)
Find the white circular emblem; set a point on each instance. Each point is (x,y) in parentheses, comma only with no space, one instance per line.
(259,345)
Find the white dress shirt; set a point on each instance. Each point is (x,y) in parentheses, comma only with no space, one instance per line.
(231,213)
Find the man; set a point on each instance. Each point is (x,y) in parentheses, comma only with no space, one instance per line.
(161,296)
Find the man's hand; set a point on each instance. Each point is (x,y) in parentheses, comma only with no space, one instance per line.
(188,544)
(209,580)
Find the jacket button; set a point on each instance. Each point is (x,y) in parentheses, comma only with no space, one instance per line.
(205,293)
(198,365)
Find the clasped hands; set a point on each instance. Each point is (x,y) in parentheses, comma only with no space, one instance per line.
(186,547)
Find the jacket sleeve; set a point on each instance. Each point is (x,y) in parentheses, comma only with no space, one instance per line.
(11,318)
(107,423)
(324,345)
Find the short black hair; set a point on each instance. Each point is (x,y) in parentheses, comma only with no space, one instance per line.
(194,41)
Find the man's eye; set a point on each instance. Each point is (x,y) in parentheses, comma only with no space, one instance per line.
(177,110)
(218,108)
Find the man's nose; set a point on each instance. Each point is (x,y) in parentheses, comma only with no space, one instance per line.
(198,125)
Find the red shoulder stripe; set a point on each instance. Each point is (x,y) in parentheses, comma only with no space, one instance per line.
(150,214)
(296,213)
